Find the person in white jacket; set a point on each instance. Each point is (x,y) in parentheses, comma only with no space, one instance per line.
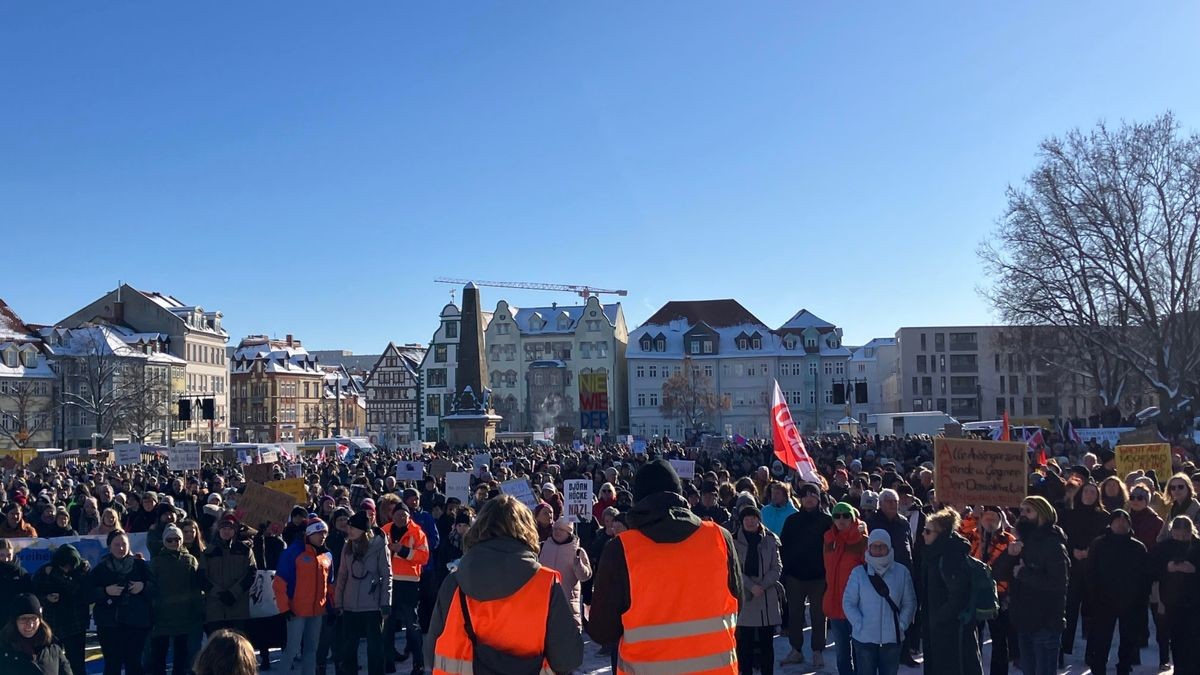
(562,553)
(877,623)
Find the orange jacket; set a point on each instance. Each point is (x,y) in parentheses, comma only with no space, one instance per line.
(844,550)
(669,627)
(996,548)
(407,567)
(515,625)
(303,580)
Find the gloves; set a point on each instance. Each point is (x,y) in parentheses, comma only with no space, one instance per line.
(404,551)
(226,598)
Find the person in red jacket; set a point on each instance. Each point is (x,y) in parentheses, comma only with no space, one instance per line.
(845,549)
(303,583)
(409,551)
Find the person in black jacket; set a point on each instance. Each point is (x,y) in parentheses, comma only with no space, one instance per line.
(802,545)
(1036,568)
(27,645)
(1083,522)
(13,579)
(122,588)
(60,585)
(1118,589)
(709,508)
(951,646)
(1176,567)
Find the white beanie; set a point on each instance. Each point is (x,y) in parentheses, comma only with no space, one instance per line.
(315,525)
(172,530)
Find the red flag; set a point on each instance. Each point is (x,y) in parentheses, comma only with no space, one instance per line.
(1005,435)
(1042,459)
(342,451)
(789,446)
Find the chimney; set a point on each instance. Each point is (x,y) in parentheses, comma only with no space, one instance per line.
(289,339)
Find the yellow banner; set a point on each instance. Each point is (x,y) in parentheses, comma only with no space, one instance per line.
(291,486)
(1151,456)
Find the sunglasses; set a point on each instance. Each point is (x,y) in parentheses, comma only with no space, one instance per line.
(842,516)
(1137,498)
(171,540)
(1178,486)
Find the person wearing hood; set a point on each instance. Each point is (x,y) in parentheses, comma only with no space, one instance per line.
(60,586)
(1118,588)
(780,506)
(951,646)
(758,552)
(844,547)
(563,554)
(227,573)
(14,580)
(880,602)
(27,643)
(1036,570)
(647,581)
(122,590)
(1176,566)
(363,593)
(178,603)
(303,578)
(513,603)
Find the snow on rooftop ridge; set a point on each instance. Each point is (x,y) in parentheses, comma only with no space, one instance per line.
(806,319)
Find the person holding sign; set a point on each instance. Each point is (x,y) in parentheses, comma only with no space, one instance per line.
(562,553)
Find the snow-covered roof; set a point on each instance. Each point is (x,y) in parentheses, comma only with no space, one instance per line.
(209,324)
(280,357)
(556,318)
(860,353)
(806,319)
(13,328)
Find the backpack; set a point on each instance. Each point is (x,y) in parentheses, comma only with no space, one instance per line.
(983,603)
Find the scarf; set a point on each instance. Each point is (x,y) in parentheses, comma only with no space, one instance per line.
(750,565)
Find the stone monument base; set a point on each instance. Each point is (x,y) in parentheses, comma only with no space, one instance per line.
(466,429)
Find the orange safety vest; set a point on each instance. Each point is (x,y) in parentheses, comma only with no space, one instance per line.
(670,628)
(516,625)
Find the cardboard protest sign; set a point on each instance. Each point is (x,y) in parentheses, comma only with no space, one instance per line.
(578,502)
(410,470)
(970,471)
(1142,435)
(519,488)
(291,486)
(260,504)
(458,484)
(268,456)
(128,453)
(417,448)
(440,467)
(184,458)
(686,468)
(1152,456)
(259,473)
(295,470)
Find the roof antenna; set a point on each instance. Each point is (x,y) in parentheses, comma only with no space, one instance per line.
(452,291)
(118,290)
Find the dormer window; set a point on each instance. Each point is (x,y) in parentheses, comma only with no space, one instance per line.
(645,342)
(660,343)
(743,343)
(536,322)
(790,343)
(756,341)
(10,357)
(810,343)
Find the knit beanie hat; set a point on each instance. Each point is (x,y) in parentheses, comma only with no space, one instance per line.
(314,526)
(749,511)
(229,517)
(66,555)
(25,603)
(359,521)
(462,518)
(1119,513)
(654,477)
(1045,511)
(172,530)
(843,507)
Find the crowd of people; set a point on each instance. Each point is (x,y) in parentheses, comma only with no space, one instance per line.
(665,576)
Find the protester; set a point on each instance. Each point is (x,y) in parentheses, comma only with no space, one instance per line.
(1118,588)
(227,653)
(563,554)
(951,645)
(845,547)
(989,542)
(122,592)
(62,587)
(1180,501)
(14,525)
(27,644)
(227,571)
(801,550)
(408,548)
(778,508)
(758,553)
(880,602)
(1175,565)
(363,594)
(302,587)
(1083,522)
(13,579)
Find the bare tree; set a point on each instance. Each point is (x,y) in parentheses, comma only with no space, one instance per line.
(145,412)
(689,396)
(24,410)
(1104,238)
(102,384)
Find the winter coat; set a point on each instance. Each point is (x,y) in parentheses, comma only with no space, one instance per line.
(1178,589)
(495,569)
(801,544)
(572,564)
(844,550)
(871,618)
(1189,509)
(178,604)
(126,609)
(946,593)
(1146,526)
(997,545)
(765,610)
(22,531)
(49,660)
(13,581)
(773,517)
(1118,579)
(1037,598)
(364,584)
(304,580)
(428,525)
(901,536)
(68,616)
(227,568)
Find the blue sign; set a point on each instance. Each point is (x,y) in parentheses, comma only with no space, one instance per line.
(593,420)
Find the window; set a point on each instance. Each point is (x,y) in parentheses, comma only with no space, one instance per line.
(652,370)
(927,386)
(828,368)
(996,365)
(920,363)
(756,342)
(708,347)
(501,329)
(839,368)
(1013,382)
(789,343)
(812,396)
(941,404)
(829,396)
(433,405)
(918,405)
(1027,406)
(810,343)
(708,370)
(653,398)
(939,342)
(964,407)
(694,347)
(916,386)
(645,343)
(750,370)
(963,363)
(660,344)
(923,347)
(1000,404)
(964,342)
(1046,405)
(439,353)
(743,343)
(641,371)
(812,368)
(437,377)
(641,400)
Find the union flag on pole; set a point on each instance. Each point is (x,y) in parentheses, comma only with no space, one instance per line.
(789,446)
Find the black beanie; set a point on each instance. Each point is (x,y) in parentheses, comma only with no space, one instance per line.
(25,603)
(656,476)
(359,521)
(462,518)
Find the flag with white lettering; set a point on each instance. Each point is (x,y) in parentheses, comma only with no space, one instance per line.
(789,446)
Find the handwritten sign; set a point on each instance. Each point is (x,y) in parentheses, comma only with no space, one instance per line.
(686,468)
(969,471)
(128,453)
(458,484)
(259,473)
(261,504)
(291,486)
(578,502)
(440,467)
(417,448)
(1153,456)
(296,470)
(268,456)
(519,488)
(184,458)
(1111,436)
(410,470)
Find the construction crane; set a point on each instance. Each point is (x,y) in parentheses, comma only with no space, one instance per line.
(583,291)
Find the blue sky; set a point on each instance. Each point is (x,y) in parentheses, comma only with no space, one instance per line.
(309,167)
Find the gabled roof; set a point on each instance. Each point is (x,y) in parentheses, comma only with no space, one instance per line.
(13,328)
(715,313)
(805,319)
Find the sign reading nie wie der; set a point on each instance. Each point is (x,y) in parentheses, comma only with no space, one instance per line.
(970,471)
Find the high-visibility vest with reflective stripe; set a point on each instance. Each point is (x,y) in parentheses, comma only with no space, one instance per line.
(516,625)
(682,617)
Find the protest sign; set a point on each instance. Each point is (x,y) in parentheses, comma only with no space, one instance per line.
(519,488)
(1101,436)
(440,467)
(259,473)
(479,461)
(260,504)
(184,457)
(638,447)
(974,472)
(713,443)
(458,484)
(686,468)
(578,502)
(291,486)
(32,554)
(262,595)
(296,470)
(410,470)
(417,448)
(1152,456)
(128,453)
(1142,435)
(268,456)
